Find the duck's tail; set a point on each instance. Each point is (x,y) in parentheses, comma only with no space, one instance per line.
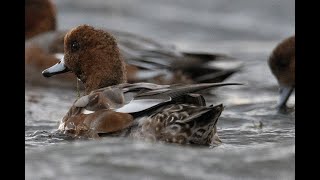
(205,126)
(206,57)
(202,74)
(187,124)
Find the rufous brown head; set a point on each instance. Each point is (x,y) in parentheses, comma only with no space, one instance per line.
(282,65)
(93,56)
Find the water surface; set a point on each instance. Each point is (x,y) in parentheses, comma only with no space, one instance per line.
(258,143)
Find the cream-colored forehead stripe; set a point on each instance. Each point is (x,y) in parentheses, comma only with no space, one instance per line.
(59,55)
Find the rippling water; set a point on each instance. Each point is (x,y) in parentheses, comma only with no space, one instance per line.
(258,143)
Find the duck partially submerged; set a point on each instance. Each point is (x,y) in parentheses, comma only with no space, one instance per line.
(282,65)
(146,111)
(171,113)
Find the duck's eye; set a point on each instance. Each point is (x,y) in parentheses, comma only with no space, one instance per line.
(283,63)
(75,46)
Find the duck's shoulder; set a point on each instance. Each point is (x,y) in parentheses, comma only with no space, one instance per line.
(114,97)
(122,98)
(108,109)
(117,96)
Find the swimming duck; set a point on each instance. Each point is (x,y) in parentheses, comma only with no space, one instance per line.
(40,17)
(282,65)
(146,60)
(169,113)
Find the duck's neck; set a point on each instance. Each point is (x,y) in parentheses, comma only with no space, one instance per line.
(101,76)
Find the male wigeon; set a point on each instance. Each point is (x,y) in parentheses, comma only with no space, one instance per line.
(40,17)
(146,59)
(169,113)
(282,65)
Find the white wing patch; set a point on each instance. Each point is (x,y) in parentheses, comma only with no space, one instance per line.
(84,111)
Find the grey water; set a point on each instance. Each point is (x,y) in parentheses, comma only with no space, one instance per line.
(258,143)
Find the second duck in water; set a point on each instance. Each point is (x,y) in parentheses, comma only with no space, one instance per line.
(282,63)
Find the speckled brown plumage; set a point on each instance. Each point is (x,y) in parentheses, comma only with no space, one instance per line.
(179,123)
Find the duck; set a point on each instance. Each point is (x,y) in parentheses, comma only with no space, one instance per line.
(111,106)
(40,17)
(146,59)
(282,65)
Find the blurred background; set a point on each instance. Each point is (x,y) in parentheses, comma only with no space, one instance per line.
(208,25)
(258,143)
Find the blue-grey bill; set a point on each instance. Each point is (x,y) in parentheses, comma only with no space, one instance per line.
(56,69)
